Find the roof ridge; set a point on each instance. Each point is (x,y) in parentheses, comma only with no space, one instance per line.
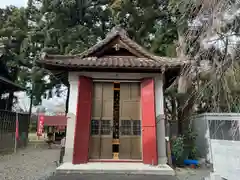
(118,30)
(107,39)
(138,47)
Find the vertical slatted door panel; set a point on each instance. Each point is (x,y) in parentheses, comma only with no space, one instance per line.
(125,123)
(135,95)
(106,123)
(83,120)
(130,145)
(95,146)
(148,122)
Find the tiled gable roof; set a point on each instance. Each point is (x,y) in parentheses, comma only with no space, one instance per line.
(140,58)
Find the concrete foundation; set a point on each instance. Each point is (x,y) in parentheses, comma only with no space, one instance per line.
(116,168)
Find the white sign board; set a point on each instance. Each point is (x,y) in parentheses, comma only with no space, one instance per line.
(226,158)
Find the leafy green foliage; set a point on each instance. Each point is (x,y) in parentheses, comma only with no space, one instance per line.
(72,26)
(178,148)
(183,147)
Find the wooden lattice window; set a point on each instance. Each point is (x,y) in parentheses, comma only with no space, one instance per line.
(136,127)
(105,127)
(94,127)
(126,129)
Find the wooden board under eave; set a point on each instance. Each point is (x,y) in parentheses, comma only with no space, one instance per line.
(83,120)
(149,141)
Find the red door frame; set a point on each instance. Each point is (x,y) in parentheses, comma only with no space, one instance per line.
(83,120)
(149,140)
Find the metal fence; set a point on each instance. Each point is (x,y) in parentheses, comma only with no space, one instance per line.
(8,141)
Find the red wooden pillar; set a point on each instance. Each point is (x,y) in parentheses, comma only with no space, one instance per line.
(149,141)
(83,120)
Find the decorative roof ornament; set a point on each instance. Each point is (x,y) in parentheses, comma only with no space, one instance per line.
(117,47)
(117,30)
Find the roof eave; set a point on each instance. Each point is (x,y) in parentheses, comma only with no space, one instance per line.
(65,67)
(12,86)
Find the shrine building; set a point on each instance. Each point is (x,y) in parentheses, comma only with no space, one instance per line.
(116,107)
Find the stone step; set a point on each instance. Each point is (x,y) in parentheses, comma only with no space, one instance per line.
(115,168)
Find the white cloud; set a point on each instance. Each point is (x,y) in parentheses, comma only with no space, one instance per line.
(18,3)
(52,104)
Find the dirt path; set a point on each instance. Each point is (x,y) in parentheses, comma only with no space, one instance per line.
(29,164)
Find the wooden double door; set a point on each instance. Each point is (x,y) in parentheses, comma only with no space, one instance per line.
(116,121)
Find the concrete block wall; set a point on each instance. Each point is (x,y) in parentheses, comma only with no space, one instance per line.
(200,126)
(219,142)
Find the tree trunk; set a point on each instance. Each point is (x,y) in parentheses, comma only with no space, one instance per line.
(10,101)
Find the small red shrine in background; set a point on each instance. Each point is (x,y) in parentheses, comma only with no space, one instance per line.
(56,123)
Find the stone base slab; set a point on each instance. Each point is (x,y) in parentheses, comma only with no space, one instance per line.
(116,168)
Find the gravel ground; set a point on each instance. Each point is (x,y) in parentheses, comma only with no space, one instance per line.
(29,164)
(39,164)
(192,174)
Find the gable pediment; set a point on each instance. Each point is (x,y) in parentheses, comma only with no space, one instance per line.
(115,47)
(116,42)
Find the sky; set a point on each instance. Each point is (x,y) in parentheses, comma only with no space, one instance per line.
(18,3)
(52,105)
